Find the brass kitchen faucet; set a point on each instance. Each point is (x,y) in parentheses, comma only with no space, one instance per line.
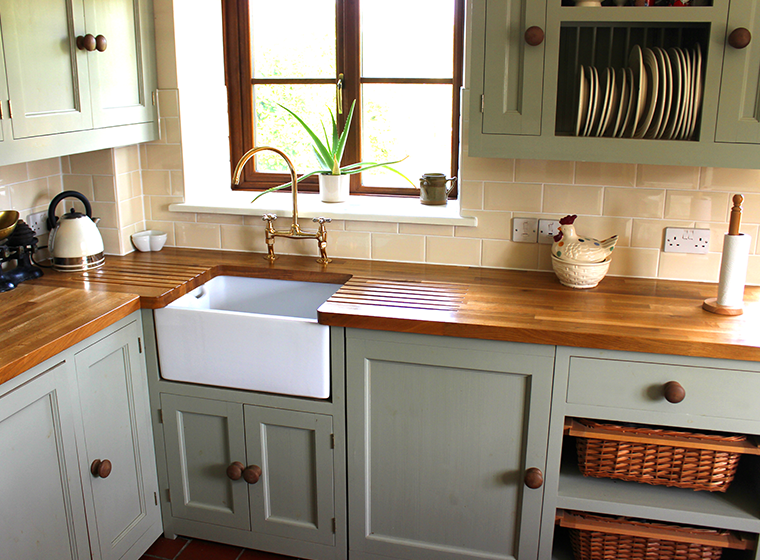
(295,231)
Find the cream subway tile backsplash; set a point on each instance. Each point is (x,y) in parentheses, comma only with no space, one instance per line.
(601,228)
(243,238)
(396,247)
(163,156)
(159,210)
(491,225)
(650,233)
(424,229)
(753,271)
(131,211)
(544,171)
(16,173)
(103,188)
(512,197)
(220,219)
(343,244)
(605,174)
(107,212)
(506,254)
(633,203)
(166,227)
(453,250)
(702,206)
(634,262)
(82,184)
(667,176)
(471,195)
(5,197)
(44,168)
(30,194)
(111,240)
(157,182)
(584,200)
(378,227)
(732,180)
(751,208)
(200,236)
(679,266)
(126,159)
(486,169)
(92,163)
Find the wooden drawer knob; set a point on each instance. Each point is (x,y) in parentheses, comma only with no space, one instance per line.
(100,469)
(534,478)
(252,474)
(91,43)
(740,38)
(534,36)
(674,392)
(235,470)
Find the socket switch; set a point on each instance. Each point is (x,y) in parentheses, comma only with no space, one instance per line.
(684,240)
(38,222)
(524,230)
(547,229)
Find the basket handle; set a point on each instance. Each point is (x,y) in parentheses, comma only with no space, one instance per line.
(575,428)
(619,527)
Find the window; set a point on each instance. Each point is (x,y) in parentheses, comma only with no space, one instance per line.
(401,60)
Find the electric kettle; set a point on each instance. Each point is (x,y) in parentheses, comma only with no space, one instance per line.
(75,243)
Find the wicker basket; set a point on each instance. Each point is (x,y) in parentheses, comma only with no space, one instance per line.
(658,456)
(597,537)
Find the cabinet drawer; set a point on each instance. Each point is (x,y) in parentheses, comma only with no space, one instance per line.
(623,384)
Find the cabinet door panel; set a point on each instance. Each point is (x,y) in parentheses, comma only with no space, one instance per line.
(47,75)
(203,437)
(294,497)
(739,106)
(438,447)
(40,485)
(113,395)
(513,79)
(119,75)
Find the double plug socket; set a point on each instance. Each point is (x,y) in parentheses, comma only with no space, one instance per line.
(532,230)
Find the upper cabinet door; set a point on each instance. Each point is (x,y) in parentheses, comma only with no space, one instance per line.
(47,74)
(739,106)
(121,76)
(513,78)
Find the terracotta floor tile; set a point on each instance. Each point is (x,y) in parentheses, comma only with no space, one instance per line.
(166,548)
(204,550)
(258,555)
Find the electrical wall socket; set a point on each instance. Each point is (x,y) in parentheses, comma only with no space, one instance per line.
(38,222)
(524,230)
(547,229)
(684,240)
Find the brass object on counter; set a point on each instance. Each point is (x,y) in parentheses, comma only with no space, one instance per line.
(8,221)
(295,231)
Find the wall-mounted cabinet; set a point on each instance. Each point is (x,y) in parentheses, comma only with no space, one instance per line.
(658,85)
(80,76)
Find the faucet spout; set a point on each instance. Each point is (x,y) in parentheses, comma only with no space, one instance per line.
(295,231)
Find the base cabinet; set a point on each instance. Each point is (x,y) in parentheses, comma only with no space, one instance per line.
(289,452)
(443,434)
(89,403)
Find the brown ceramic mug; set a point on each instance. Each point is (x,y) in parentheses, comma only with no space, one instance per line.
(433,189)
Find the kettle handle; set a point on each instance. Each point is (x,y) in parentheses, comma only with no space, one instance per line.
(52,220)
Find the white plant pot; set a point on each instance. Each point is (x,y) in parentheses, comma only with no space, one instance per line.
(334,188)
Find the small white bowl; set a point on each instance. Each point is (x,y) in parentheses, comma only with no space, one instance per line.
(580,275)
(149,240)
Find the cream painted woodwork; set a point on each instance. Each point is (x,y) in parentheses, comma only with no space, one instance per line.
(64,99)
(524,100)
(441,432)
(88,402)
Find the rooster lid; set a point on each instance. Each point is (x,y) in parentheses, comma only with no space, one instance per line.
(566,221)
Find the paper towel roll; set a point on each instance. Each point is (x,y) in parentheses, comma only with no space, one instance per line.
(733,270)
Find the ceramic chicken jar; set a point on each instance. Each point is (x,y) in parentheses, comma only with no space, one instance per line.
(569,247)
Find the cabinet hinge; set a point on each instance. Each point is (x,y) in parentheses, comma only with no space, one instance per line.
(155,497)
(10,110)
(160,416)
(168,495)
(482,103)
(332,441)
(139,344)
(154,95)
(334,526)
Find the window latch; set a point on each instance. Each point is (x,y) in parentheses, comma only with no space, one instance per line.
(339,93)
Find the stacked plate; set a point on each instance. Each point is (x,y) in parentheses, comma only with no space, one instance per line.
(657,96)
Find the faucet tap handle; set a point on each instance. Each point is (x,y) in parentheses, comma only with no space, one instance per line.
(321,220)
(269,217)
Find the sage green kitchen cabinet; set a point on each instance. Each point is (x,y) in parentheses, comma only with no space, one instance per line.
(44,513)
(442,434)
(296,503)
(115,427)
(88,403)
(629,388)
(65,99)
(511,82)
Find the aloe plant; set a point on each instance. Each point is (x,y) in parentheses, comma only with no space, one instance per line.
(329,152)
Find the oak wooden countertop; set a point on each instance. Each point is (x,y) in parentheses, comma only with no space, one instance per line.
(640,315)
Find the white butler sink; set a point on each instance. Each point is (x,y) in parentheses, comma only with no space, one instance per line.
(258,334)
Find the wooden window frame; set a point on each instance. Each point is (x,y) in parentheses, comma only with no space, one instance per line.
(240,84)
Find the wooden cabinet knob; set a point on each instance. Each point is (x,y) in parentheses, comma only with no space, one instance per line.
(100,469)
(740,38)
(534,36)
(252,474)
(91,43)
(534,478)
(674,392)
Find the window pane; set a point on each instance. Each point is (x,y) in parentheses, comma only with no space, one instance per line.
(275,127)
(407,38)
(285,46)
(401,120)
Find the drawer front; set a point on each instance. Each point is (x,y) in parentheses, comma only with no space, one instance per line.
(635,385)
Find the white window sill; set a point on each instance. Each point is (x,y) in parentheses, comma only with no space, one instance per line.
(357,208)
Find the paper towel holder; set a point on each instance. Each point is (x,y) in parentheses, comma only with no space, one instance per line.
(712,304)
